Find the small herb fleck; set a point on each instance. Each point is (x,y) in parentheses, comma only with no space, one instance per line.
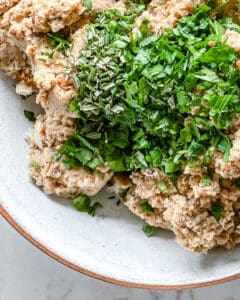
(206,181)
(83,204)
(42,59)
(56,155)
(146,207)
(162,186)
(58,41)
(88,4)
(148,230)
(29,115)
(93,208)
(217,210)
(35,165)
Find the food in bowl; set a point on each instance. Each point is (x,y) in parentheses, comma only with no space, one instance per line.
(144,96)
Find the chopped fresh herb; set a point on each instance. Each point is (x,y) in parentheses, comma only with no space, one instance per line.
(83,204)
(118,202)
(56,155)
(88,4)
(217,210)
(146,207)
(148,230)
(35,164)
(146,101)
(29,115)
(206,181)
(224,146)
(42,59)
(162,186)
(93,208)
(58,41)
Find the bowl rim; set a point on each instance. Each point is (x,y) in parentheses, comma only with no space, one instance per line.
(37,243)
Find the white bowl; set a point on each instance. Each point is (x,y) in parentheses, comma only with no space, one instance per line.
(111,246)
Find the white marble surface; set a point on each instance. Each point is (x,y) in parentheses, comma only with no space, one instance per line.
(28,274)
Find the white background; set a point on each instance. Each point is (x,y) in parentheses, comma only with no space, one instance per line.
(28,274)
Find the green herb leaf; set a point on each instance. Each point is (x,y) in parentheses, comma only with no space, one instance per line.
(93,208)
(148,230)
(162,186)
(58,41)
(217,210)
(35,164)
(206,181)
(83,204)
(146,207)
(56,155)
(88,4)
(218,55)
(224,146)
(29,115)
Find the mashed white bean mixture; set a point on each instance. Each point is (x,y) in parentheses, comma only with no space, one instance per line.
(184,208)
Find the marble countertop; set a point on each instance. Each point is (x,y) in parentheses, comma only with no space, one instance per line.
(26,274)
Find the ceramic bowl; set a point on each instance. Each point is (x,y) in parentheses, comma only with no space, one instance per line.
(111,246)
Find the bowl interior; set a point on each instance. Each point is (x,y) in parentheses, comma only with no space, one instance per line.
(112,243)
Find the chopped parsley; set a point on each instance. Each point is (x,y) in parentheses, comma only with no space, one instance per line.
(146,207)
(35,164)
(217,210)
(56,155)
(147,101)
(148,230)
(83,204)
(58,41)
(162,186)
(206,181)
(30,115)
(88,4)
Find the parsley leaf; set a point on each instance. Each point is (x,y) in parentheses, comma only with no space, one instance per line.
(56,155)
(224,146)
(35,164)
(148,230)
(162,186)
(93,208)
(88,4)
(206,181)
(30,115)
(58,41)
(83,204)
(146,207)
(217,210)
